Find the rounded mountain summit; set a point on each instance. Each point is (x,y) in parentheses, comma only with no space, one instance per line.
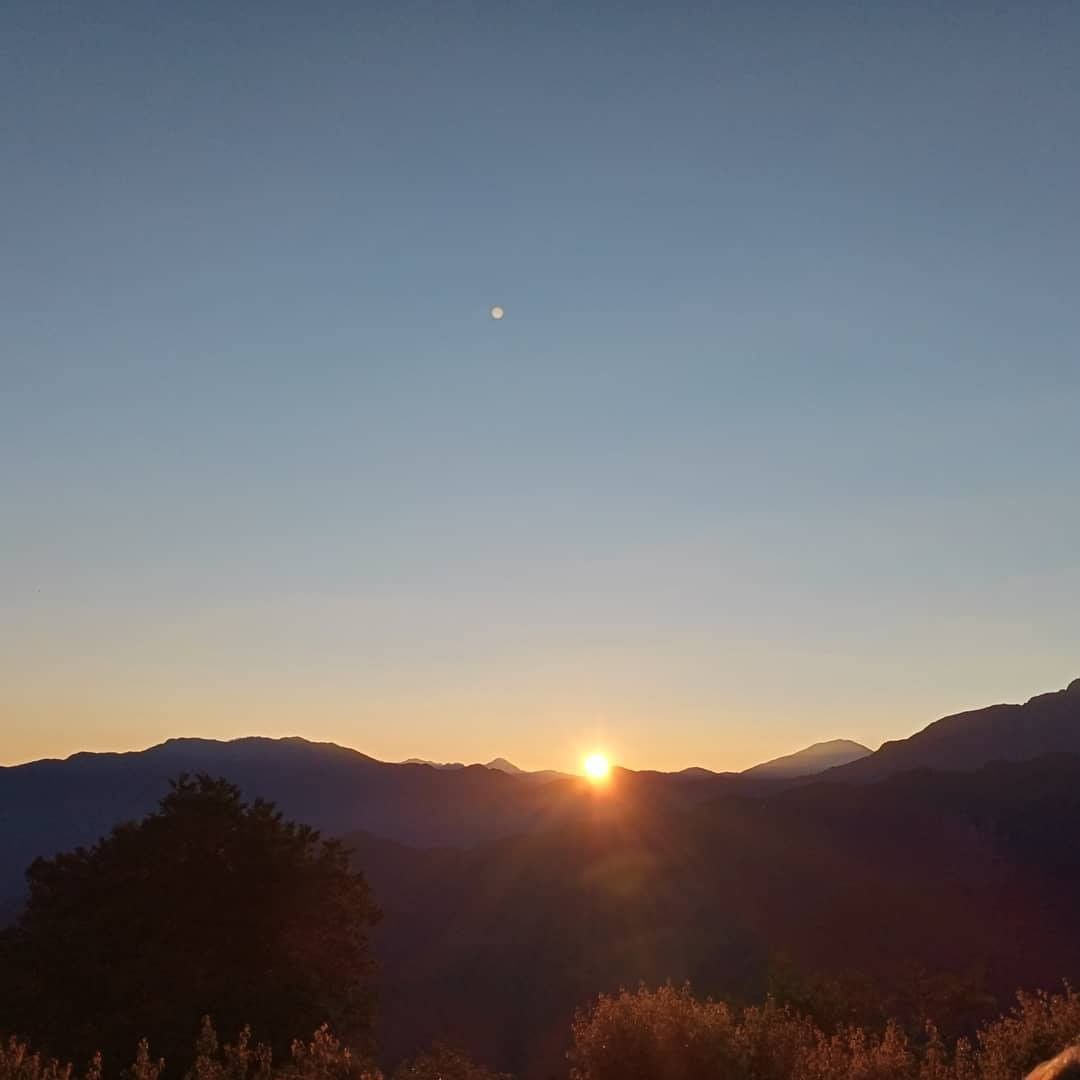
(814,759)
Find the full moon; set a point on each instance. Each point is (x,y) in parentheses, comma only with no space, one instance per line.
(497,312)
(597,767)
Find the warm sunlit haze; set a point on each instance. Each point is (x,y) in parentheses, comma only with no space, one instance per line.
(521,719)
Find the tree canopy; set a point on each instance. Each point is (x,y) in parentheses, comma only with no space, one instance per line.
(209,905)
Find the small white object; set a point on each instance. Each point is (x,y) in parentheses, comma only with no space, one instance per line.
(497,312)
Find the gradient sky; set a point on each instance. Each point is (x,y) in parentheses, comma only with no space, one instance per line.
(778,441)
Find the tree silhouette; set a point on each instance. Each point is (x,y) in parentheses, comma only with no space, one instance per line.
(209,906)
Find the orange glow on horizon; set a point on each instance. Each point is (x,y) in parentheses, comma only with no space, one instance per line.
(597,767)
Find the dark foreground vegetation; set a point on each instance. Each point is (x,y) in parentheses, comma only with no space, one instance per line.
(664,1034)
(212,906)
(209,905)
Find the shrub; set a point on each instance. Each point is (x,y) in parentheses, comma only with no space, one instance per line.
(444,1063)
(667,1034)
(1039,1026)
(653,1035)
(323,1058)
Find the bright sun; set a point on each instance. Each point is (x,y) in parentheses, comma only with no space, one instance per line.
(597,767)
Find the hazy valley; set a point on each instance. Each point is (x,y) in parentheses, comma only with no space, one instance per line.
(935,873)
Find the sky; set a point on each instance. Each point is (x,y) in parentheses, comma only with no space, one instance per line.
(778,440)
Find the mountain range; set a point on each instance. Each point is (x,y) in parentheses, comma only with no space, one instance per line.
(510,897)
(499,764)
(51,805)
(813,759)
(1045,724)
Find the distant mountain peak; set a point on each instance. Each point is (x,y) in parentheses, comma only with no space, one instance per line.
(811,760)
(1045,724)
(500,764)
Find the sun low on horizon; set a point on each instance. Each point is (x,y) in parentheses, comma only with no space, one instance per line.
(597,767)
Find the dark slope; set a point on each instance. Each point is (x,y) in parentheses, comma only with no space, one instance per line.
(954,873)
(1046,724)
(50,806)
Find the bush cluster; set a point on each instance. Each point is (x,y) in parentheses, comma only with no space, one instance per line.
(663,1034)
(323,1058)
(667,1034)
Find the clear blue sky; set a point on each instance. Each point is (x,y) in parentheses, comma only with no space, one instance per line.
(778,441)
